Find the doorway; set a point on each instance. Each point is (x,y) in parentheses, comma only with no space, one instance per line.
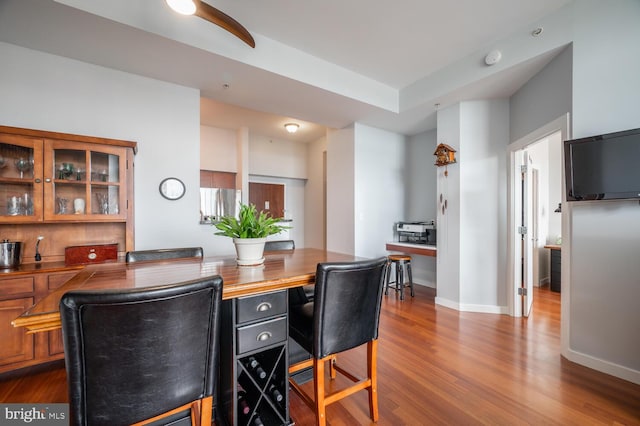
(532,221)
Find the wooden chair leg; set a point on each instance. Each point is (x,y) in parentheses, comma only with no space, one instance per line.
(332,367)
(318,379)
(372,372)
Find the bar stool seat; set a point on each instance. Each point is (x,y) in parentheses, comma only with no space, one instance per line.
(400,262)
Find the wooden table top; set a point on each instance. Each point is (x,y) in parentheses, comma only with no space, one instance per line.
(281,270)
(421,249)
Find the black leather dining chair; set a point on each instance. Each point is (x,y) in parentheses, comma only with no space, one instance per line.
(275,245)
(143,355)
(344,314)
(163,254)
(297,294)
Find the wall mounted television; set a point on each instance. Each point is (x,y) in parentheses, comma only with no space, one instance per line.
(603,167)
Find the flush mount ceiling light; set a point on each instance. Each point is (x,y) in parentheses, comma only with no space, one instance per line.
(291,127)
(184,7)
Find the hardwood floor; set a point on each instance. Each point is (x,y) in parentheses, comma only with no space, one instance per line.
(437,366)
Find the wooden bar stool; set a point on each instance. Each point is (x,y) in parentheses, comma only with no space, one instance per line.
(401,262)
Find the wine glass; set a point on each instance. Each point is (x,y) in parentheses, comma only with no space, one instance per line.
(23,165)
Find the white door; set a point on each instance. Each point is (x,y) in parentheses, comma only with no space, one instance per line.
(524,244)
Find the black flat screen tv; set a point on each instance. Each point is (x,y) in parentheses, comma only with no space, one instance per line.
(603,167)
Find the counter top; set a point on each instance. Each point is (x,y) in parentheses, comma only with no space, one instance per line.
(553,246)
(281,270)
(39,268)
(419,249)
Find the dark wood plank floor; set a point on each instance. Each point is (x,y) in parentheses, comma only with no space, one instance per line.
(437,366)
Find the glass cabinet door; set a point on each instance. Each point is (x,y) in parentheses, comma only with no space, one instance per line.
(105,183)
(20,178)
(85,181)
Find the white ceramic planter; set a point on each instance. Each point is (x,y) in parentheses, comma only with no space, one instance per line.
(250,251)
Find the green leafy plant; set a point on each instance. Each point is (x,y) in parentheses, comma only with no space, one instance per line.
(249,224)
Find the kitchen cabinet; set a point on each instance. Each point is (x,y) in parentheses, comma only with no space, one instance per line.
(50,182)
(213,179)
(254,343)
(18,292)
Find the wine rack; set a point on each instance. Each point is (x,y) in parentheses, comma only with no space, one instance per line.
(254,342)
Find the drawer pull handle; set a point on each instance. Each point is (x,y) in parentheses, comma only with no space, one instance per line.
(265,335)
(264,306)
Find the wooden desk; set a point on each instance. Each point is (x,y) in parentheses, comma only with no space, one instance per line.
(421,249)
(281,270)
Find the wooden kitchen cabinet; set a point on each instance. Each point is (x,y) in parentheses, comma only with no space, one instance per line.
(52,182)
(18,292)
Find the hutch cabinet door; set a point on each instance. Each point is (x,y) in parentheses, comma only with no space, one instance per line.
(20,179)
(84,182)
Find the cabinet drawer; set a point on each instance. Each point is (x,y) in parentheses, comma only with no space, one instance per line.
(253,308)
(262,334)
(16,286)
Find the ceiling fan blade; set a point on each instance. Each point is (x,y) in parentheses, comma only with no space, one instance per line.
(211,14)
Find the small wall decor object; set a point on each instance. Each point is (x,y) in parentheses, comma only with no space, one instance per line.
(172,188)
(444,155)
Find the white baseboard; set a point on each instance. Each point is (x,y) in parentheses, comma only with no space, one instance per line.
(485,309)
(424,283)
(606,367)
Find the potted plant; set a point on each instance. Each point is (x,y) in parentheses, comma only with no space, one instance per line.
(249,232)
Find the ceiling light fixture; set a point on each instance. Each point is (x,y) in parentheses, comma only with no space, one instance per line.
(184,7)
(291,127)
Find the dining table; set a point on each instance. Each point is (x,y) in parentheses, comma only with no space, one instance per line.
(280,270)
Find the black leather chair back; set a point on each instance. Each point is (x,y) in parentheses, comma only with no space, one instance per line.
(164,254)
(132,355)
(346,303)
(279,245)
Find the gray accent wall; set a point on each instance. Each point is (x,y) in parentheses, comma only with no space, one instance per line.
(544,98)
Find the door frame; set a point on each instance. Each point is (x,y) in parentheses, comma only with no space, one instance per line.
(562,125)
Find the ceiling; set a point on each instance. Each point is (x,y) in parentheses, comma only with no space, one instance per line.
(322,64)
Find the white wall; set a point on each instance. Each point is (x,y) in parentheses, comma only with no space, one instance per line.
(380,181)
(420,196)
(314,202)
(272,157)
(604,236)
(448,189)
(472,262)
(340,190)
(555,189)
(48,92)
(218,149)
